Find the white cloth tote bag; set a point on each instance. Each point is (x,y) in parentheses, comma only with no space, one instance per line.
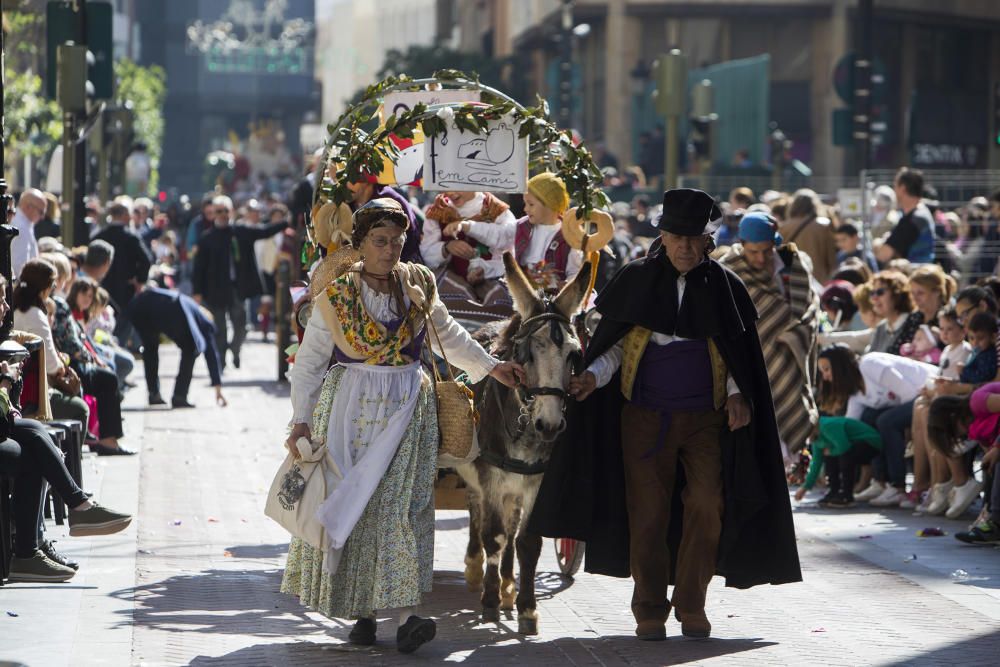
(299,488)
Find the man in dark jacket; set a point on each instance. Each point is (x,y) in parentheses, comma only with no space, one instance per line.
(129,268)
(226,274)
(155,312)
(671,469)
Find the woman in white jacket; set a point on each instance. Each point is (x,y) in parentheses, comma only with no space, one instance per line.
(31,290)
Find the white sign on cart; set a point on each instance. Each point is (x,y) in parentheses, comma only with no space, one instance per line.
(494,161)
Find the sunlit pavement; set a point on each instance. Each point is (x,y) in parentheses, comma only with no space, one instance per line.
(195,578)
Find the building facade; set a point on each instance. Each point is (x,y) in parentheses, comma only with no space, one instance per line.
(353,38)
(253,79)
(938,65)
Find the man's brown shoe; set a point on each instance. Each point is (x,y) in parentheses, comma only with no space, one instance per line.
(694,624)
(651,631)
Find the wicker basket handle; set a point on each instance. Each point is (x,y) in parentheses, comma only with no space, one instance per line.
(434,332)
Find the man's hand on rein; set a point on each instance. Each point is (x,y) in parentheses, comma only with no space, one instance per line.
(583,385)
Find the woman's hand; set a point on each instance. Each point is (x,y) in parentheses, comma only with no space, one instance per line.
(475,275)
(509,373)
(946,387)
(461,249)
(454,229)
(801,493)
(990,458)
(583,385)
(220,400)
(298,431)
(13,370)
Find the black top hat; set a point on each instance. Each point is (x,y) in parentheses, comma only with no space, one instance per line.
(688,212)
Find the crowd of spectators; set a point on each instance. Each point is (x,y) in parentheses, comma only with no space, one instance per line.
(906,373)
(907,361)
(96,309)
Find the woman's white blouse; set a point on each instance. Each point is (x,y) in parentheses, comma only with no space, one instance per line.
(36,321)
(316,350)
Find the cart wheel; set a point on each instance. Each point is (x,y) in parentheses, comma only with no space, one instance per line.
(569,553)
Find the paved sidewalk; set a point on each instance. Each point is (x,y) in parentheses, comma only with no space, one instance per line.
(195,579)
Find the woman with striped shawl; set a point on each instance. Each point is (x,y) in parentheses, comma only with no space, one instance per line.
(779,279)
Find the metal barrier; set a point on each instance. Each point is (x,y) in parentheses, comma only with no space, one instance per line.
(974,258)
(720,185)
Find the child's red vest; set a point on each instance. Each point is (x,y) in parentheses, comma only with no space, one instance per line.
(556,255)
(446,214)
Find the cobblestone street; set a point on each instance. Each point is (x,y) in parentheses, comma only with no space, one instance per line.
(195,578)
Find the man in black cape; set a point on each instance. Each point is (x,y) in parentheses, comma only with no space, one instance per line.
(671,468)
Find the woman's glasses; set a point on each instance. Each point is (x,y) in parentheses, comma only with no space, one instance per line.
(381,242)
(881,291)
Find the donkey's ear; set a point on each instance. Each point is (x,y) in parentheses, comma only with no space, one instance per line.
(574,293)
(526,301)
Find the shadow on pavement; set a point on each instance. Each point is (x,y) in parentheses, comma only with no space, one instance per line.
(259,550)
(273,388)
(982,650)
(454,523)
(196,602)
(479,646)
(248,603)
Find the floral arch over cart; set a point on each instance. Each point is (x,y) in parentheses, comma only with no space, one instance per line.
(369,142)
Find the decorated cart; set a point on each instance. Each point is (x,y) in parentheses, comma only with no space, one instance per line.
(447,133)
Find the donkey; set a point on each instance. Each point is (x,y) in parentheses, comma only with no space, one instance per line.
(519,429)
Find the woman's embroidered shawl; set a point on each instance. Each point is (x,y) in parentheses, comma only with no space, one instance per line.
(361,337)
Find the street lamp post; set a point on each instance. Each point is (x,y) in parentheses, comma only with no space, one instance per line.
(566,66)
(7,233)
(863,85)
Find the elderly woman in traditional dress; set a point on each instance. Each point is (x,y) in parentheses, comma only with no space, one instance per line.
(376,411)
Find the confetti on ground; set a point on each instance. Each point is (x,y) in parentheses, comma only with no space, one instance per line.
(175,522)
(819,630)
(865,537)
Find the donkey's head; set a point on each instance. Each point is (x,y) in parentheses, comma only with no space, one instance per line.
(546,344)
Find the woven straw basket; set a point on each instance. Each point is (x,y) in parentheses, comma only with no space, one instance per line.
(457,416)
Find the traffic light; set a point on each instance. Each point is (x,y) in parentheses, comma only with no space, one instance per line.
(63,25)
(670,72)
(73,89)
(702,118)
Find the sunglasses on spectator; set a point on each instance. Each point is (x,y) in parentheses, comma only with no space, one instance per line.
(880,291)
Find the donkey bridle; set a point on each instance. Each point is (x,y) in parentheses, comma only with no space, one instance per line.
(525,395)
(529,327)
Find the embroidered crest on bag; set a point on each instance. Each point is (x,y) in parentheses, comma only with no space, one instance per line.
(293,485)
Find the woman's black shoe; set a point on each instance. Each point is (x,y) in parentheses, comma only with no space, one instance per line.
(363,633)
(825,500)
(840,501)
(104,450)
(414,633)
(49,550)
